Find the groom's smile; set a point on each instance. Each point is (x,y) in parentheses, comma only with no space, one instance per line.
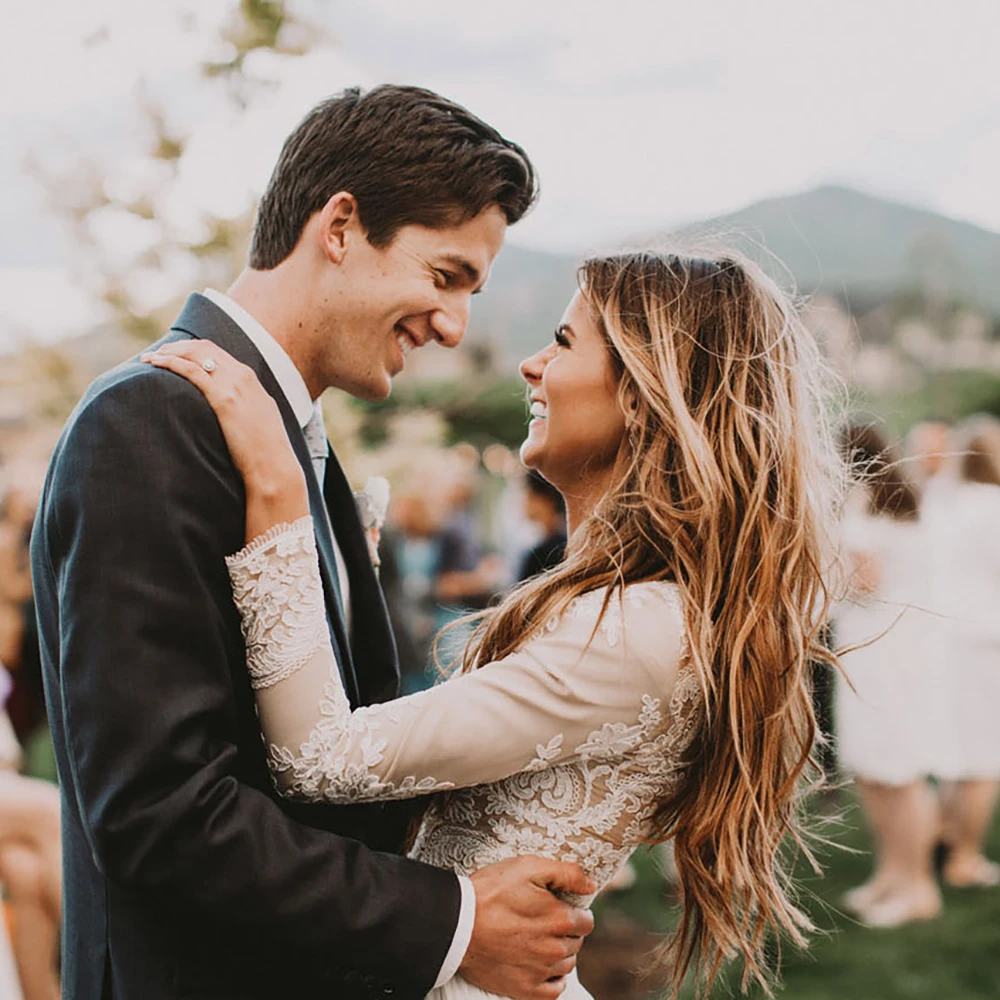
(406,340)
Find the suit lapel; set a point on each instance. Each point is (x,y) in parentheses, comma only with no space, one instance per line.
(203,320)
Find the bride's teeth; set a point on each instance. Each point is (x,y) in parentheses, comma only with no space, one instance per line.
(538,409)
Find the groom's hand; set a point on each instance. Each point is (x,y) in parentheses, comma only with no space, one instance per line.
(525,938)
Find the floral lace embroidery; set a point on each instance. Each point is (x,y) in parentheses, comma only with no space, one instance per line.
(546,754)
(322,770)
(279,593)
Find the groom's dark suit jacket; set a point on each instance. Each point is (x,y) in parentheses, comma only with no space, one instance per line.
(185,875)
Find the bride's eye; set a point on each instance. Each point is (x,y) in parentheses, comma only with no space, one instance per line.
(561,339)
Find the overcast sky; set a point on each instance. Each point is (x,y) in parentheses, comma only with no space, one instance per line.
(638,113)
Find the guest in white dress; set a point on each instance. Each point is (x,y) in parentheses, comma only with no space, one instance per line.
(653,686)
(965,529)
(886,701)
(30,864)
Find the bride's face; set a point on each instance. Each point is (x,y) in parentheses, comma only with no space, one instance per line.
(577,424)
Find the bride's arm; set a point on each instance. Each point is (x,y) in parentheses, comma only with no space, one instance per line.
(556,699)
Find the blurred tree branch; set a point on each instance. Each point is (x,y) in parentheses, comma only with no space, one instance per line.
(109,205)
(256,25)
(132,252)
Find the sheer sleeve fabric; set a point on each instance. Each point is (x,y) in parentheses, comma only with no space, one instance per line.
(578,688)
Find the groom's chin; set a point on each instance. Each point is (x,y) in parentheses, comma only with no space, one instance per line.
(375,391)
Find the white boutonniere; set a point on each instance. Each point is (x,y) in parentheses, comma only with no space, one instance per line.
(373,505)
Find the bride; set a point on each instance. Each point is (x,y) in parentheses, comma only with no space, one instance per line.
(654,685)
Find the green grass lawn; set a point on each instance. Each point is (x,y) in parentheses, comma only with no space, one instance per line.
(956,957)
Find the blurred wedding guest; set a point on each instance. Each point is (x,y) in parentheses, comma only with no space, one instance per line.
(885,711)
(390,575)
(30,864)
(15,574)
(544,507)
(18,631)
(966,543)
(465,579)
(928,446)
(414,529)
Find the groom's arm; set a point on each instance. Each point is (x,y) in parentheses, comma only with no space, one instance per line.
(143,507)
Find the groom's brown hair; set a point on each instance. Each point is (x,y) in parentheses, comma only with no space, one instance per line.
(408,155)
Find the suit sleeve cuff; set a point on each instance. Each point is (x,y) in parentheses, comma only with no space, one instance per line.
(463,933)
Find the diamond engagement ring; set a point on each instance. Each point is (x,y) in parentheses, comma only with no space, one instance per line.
(209,364)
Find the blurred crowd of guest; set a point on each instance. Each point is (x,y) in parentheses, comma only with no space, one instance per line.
(449,550)
(30,849)
(916,709)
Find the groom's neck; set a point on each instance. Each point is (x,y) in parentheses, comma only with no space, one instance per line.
(267,297)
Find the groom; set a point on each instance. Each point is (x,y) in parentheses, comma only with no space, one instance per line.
(185,874)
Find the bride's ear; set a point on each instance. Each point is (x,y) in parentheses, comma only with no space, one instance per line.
(339,223)
(630,409)
(630,402)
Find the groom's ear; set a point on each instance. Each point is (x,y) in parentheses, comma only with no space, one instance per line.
(339,223)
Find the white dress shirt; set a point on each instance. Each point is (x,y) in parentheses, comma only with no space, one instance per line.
(292,384)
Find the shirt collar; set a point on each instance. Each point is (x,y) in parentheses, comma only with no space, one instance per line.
(282,367)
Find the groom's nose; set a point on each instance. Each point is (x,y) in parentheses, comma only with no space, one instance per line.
(449,322)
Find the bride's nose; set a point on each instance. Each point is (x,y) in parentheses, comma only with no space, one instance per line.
(531,369)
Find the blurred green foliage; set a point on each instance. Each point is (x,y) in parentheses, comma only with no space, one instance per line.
(939,395)
(481,409)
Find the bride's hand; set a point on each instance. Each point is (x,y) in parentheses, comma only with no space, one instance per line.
(253,428)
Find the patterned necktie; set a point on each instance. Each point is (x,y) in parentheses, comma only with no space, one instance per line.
(319,450)
(319,447)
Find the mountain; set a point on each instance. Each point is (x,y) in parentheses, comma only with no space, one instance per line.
(854,245)
(839,239)
(525,296)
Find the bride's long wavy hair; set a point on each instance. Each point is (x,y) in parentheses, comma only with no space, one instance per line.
(727,482)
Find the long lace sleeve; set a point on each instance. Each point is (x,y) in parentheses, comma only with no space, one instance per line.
(575,690)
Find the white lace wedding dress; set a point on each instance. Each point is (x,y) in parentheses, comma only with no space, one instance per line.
(562,749)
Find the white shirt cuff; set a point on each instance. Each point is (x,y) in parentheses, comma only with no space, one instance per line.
(463,933)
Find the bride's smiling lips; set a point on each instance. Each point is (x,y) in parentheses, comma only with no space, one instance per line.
(539,410)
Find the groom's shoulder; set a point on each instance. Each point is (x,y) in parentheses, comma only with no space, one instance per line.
(135,411)
(140,395)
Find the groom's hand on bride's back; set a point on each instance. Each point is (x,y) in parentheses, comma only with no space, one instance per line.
(526,939)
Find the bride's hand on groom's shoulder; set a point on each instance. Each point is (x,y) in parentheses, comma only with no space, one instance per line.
(253,427)
(526,938)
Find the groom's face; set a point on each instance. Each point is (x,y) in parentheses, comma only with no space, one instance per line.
(385,302)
